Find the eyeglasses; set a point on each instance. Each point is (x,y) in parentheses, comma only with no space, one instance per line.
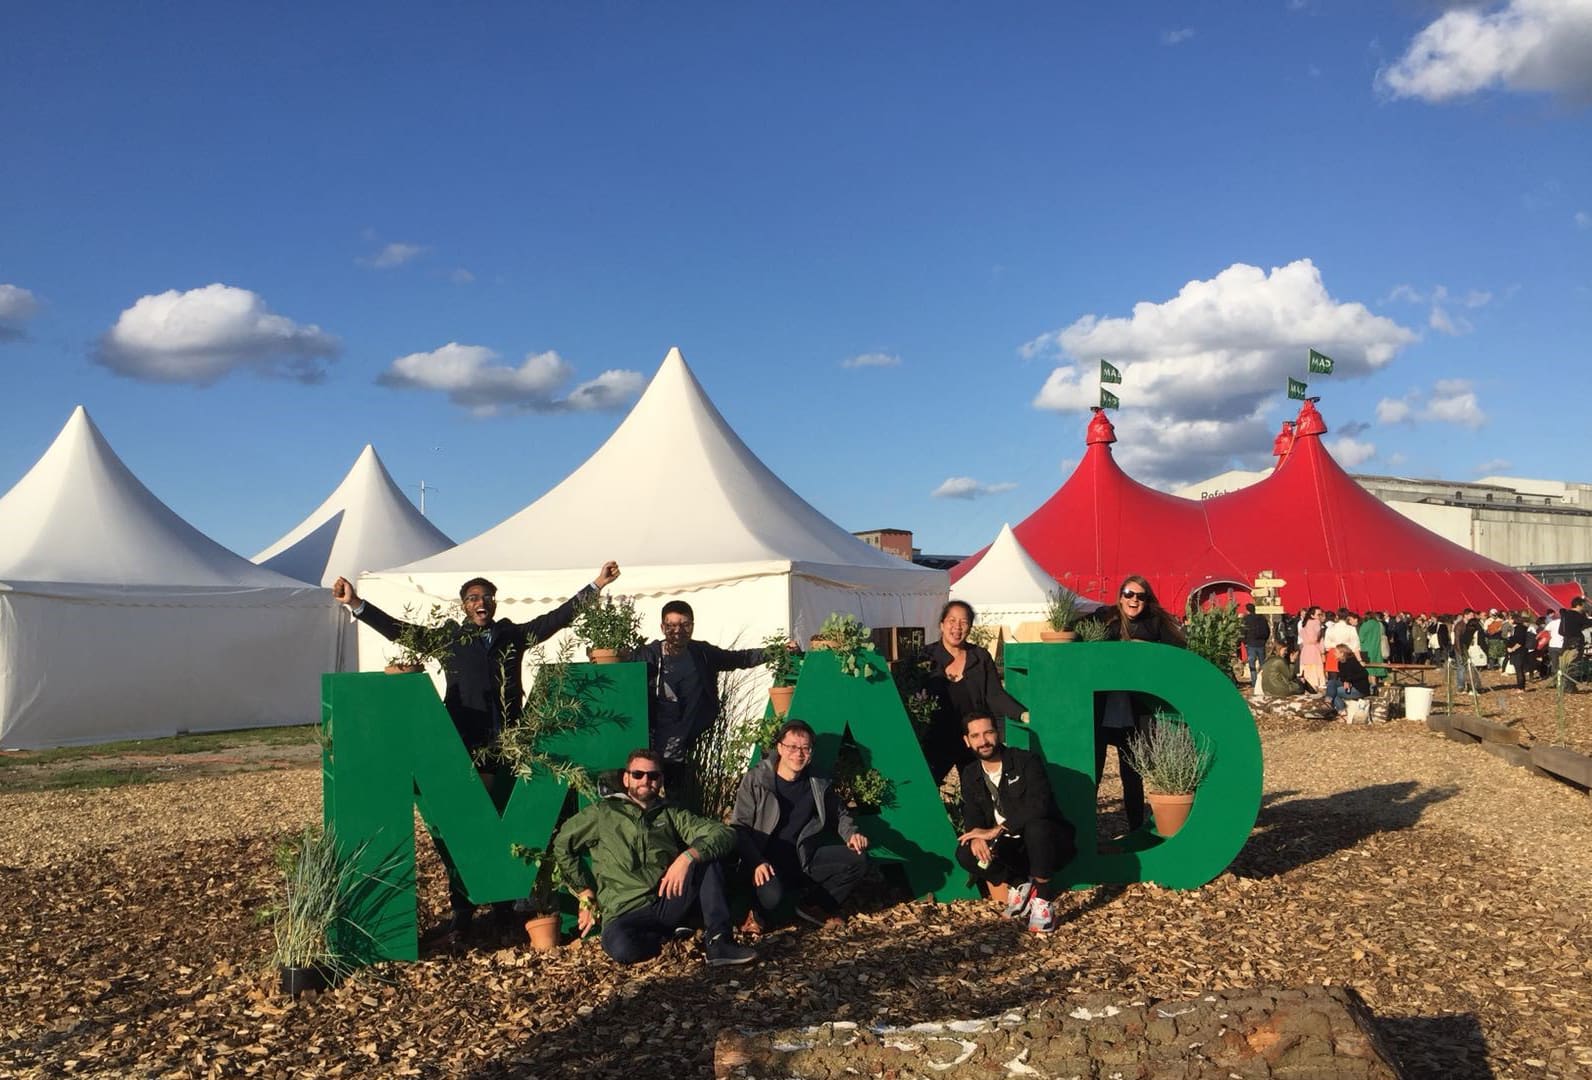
(478,598)
(1129,594)
(684,624)
(654,775)
(803,749)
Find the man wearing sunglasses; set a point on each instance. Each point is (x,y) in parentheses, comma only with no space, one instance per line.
(781,809)
(655,866)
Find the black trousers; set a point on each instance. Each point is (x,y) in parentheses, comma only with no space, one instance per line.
(1132,782)
(1045,846)
(639,934)
(831,874)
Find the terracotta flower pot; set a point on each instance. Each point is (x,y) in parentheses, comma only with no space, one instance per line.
(780,696)
(1170,811)
(543,931)
(1058,635)
(402,669)
(603,656)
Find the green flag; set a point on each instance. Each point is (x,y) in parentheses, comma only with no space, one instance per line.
(1109,373)
(1108,400)
(1320,363)
(1297,389)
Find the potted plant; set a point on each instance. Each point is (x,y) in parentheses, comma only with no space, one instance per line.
(1089,630)
(1173,761)
(846,637)
(1060,615)
(423,639)
(609,626)
(319,888)
(783,664)
(542,905)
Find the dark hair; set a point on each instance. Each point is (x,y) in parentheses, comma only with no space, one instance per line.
(1579,601)
(1153,612)
(1249,608)
(976,715)
(800,727)
(481,581)
(643,753)
(972,616)
(677,607)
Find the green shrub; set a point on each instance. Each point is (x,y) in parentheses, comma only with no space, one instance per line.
(608,622)
(1214,633)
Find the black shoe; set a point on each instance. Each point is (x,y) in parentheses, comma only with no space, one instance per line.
(722,951)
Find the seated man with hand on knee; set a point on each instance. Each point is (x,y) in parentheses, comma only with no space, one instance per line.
(1015,835)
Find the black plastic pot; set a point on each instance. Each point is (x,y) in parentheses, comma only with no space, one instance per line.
(301,980)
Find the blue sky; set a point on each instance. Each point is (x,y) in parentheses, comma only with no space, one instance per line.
(892,240)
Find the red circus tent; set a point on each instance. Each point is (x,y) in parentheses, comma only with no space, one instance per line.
(1564,591)
(1337,545)
(1102,525)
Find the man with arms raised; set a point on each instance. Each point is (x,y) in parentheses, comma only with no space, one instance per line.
(655,866)
(781,809)
(1015,835)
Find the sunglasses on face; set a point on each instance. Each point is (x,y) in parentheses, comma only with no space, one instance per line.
(1129,594)
(654,775)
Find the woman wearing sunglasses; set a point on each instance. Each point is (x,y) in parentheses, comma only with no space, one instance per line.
(1138,616)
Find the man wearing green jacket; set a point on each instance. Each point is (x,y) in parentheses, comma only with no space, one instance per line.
(655,864)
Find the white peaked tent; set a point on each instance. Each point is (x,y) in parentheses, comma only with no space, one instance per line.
(119,620)
(690,513)
(1008,587)
(366,524)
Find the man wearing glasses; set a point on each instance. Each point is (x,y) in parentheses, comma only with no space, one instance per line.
(781,810)
(683,692)
(655,865)
(482,669)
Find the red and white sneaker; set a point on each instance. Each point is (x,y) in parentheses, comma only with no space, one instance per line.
(1017,899)
(1041,916)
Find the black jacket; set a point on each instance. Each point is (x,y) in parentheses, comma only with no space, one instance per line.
(483,680)
(1353,672)
(702,709)
(1257,631)
(1024,792)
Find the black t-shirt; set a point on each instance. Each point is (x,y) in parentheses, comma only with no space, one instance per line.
(1572,627)
(796,809)
(680,681)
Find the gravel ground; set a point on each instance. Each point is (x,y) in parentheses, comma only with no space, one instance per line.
(1449,888)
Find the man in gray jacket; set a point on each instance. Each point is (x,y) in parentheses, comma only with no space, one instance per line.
(780,812)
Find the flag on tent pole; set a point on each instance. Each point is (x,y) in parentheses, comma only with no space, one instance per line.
(1320,363)
(1109,373)
(1296,389)
(1108,400)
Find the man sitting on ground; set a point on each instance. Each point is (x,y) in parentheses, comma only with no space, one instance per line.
(1015,835)
(656,865)
(1354,682)
(780,811)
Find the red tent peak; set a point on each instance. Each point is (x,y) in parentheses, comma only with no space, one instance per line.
(1309,421)
(1100,429)
(1284,441)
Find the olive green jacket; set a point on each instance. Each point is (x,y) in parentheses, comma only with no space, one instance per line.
(630,848)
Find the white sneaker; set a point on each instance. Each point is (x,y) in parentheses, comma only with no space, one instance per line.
(1041,916)
(1018,898)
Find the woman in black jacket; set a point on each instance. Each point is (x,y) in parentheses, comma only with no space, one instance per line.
(1138,616)
(963,680)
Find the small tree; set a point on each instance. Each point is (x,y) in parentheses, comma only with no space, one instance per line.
(608,622)
(1214,633)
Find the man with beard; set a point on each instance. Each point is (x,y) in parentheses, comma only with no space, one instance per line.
(1015,835)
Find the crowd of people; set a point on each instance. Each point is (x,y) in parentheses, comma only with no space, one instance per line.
(647,866)
(1340,656)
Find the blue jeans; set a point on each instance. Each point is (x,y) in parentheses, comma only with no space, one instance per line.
(1339,694)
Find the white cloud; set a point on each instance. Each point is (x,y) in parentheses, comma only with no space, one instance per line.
(1392,411)
(1494,466)
(1583,220)
(1524,45)
(1406,293)
(1351,452)
(1200,370)
(1176,37)
(206,334)
(965,487)
(872,359)
(472,377)
(1454,402)
(1478,298)
(391,255)
(17,306)
(1444,323)
(461,276)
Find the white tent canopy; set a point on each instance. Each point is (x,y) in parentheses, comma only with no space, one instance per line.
(365,524)
(1008,587)
(690,513)
(119,620)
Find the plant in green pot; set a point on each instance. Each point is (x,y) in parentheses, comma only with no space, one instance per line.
(1173,761)
(784,664)
(1061,613)
(609,626)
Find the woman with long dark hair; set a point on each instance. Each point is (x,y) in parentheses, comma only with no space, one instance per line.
(963,680)
(1138,616)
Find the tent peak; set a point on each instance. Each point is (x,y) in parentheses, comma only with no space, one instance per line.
(1309,421)
(1100,429)
(1283,443)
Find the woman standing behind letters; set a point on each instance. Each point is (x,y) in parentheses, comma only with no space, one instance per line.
(963,681)
(1138,617)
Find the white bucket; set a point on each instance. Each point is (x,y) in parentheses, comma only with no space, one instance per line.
(1418,702)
